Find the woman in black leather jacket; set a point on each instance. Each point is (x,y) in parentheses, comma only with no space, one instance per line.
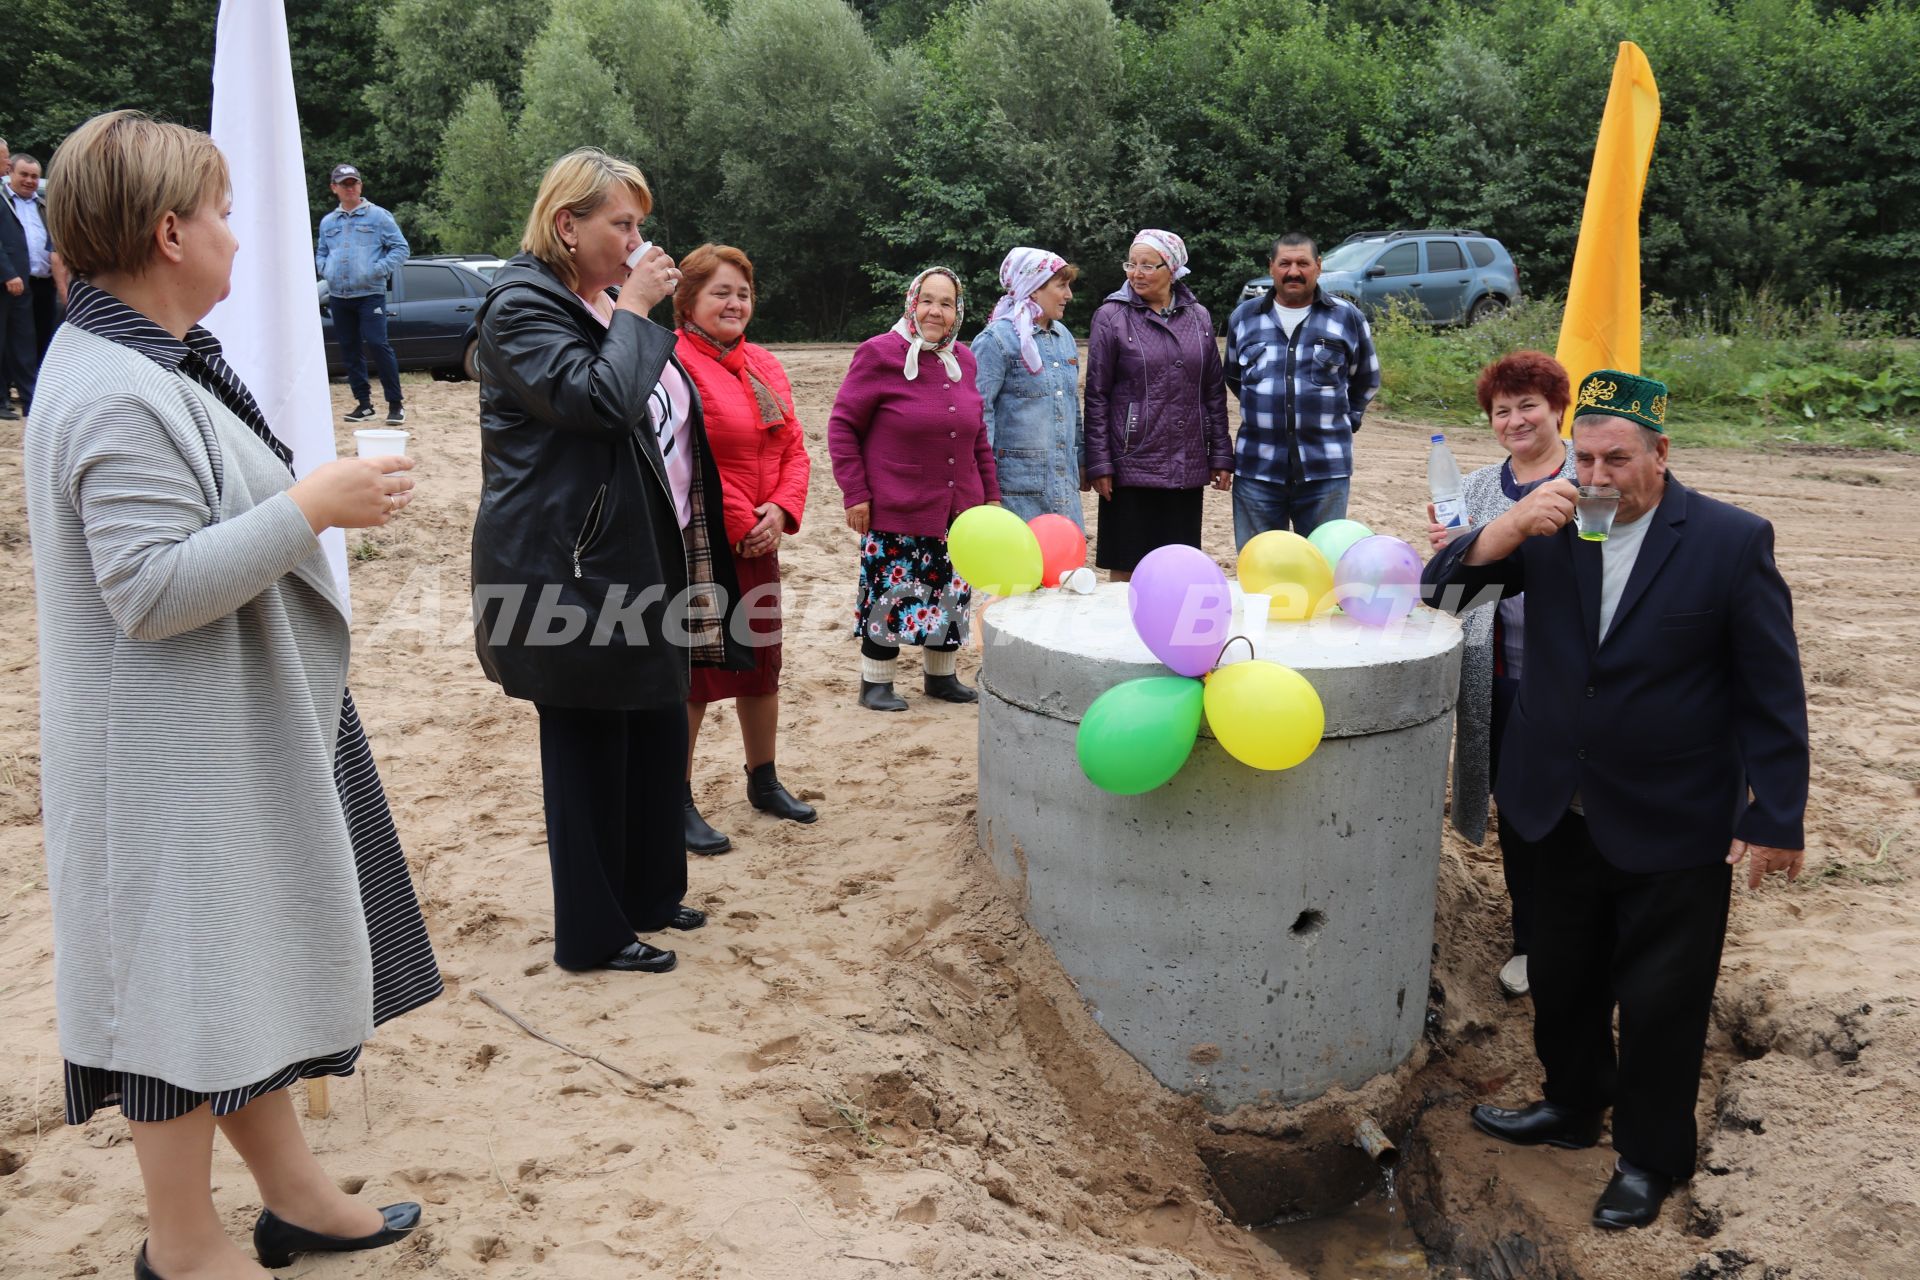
(595,581)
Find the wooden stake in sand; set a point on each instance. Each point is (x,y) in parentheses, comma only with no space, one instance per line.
(317,1102)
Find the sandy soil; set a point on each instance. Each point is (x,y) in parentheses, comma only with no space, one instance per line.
(868,1067)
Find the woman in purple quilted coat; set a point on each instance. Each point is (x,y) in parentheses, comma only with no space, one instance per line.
(1156,418)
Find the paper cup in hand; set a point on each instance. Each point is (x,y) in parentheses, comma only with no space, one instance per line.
(633,259)
(380,442)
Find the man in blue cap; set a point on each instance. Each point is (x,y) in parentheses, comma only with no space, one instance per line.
(1659,738)
(359,249)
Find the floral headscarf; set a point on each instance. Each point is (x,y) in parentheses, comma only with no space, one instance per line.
(1021,272)
(1167,245)
(907,329)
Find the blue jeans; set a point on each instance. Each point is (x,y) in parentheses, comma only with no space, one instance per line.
(1260,505)
(360,323)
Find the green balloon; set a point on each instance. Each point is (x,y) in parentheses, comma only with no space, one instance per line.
(1335,536)
(1136,735)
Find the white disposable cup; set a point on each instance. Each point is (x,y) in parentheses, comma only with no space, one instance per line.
(380,442)
(633,259)
(1081,581)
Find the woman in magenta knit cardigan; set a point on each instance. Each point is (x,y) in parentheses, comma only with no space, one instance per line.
(910,453)
(761,454)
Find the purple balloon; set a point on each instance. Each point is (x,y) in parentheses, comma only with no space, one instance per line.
(1182,607)
(1377,581)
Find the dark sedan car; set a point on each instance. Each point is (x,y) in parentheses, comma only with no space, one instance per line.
(431,306)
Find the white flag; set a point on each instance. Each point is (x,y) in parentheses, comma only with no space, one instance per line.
(269,326)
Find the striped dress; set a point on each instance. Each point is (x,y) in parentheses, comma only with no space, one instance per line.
(404,974)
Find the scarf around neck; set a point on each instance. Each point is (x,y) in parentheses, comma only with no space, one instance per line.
(773,411)
(1021,272)
(907,329)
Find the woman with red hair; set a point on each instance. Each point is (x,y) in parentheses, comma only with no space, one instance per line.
(762,456)
(1524,395)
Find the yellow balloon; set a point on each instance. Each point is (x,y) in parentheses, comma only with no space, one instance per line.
(1264,714)
(1287,567)
(995,551)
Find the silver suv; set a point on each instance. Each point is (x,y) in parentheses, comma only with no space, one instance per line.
(1447,276)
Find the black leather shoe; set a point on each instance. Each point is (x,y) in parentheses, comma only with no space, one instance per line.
(1541,1124)
(141,1271)
(686,919)
(7,414)
(276,1240)
(1632,1198)
(949,689)
(701,838)
(638,957)
(765,793)
(880,697)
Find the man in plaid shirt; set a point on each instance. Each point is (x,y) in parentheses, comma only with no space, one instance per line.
(1304,367)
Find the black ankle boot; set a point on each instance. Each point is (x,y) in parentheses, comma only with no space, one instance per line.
(949,689)
(880,697)
(765,793)
(277,1240)
(702,838)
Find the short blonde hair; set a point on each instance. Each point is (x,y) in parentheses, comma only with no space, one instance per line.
(580,182)
(699,267)
(119,174)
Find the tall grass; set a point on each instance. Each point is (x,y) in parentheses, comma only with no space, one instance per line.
(1756,372)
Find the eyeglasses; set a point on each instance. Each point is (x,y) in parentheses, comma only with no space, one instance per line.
(1142,268)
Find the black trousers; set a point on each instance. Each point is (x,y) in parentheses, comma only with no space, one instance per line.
(614,784)
(19,354)
(1650,943)
(1519,860)
(46,313)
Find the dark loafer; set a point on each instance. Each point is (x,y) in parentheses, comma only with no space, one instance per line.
(277,1240)
(1541,1124)
(1632,1199)
(949,689)
(879,696)
(686,919)
(639,957)
(765,793)
(141,1271)
(702,838)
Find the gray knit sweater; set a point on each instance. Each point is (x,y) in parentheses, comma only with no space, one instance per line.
(207,921)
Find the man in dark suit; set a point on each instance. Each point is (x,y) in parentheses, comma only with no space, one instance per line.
(19,353)
(1658,739)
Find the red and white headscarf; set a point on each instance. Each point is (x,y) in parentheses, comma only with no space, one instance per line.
(1021,272)
(907,328)
(1167,245)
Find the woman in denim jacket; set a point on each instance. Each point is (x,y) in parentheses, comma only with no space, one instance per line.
(1029,379)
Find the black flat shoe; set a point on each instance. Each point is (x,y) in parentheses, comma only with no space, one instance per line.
(765,793)
(880,697)
(686,919)
(949,689)
(1540,1124)
(701,838)
(276,1240)
(1632,1199)
(141,1271)
(638,957)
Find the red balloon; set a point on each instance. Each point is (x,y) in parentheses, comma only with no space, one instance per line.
(1063,548)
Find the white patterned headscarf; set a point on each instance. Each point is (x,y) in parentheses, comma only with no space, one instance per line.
(1021,272)
(1167,245)
(908,329)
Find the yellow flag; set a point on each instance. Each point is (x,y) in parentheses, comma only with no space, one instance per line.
(1601,329)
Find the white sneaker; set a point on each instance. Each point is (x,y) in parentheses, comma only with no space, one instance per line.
(1513,977)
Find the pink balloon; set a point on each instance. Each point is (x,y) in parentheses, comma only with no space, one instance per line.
(1182,607)
(1377,581)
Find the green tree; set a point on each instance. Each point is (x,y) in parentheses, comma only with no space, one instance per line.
(479,197)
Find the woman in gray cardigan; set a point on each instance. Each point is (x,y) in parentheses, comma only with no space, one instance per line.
(231,909)
(1524,395)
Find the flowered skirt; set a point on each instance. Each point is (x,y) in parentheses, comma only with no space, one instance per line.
(909,593)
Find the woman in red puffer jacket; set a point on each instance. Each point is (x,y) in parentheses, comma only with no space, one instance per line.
(762,456)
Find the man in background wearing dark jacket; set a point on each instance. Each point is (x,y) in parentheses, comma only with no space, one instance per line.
(19,354)
(1659,737)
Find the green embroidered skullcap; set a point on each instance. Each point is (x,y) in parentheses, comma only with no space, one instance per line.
(1623,395)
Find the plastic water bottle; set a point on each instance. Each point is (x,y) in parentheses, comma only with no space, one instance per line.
(1443,481)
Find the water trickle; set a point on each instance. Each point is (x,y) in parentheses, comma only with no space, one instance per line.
(1369,1241)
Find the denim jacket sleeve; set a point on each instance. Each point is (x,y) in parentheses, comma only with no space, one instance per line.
(320,247)
(990,374)
(394,249)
